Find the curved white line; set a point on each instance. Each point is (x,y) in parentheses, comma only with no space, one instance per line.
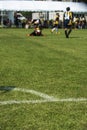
(45,97)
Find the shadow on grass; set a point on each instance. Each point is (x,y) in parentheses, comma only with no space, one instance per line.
(5,89)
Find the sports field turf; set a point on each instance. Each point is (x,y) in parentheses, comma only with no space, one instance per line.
(43,80)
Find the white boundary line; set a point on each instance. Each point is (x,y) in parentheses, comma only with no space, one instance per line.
(45,97)
(42,101)
(42,95)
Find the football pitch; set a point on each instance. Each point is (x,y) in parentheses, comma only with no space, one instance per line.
(43,80)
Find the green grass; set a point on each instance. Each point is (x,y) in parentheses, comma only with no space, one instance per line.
(50,64)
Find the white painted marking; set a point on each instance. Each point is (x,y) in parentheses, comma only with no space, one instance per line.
(45,97)
(42,101)
(42,95)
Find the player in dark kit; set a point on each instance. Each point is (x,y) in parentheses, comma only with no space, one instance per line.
(37,32)
(56,23)
(37,29)
(68,18)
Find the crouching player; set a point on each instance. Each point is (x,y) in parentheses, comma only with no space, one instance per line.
(37,32)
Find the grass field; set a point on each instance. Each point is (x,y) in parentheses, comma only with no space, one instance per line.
(43,80)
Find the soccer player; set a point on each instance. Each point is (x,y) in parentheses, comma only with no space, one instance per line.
(37,29)
(36,32)
(68,18)
(56,22)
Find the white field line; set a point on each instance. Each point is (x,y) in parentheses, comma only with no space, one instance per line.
(42,95)
(45,97)
(42,101)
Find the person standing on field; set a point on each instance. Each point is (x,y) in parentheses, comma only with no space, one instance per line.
(68,19)
(55,24)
